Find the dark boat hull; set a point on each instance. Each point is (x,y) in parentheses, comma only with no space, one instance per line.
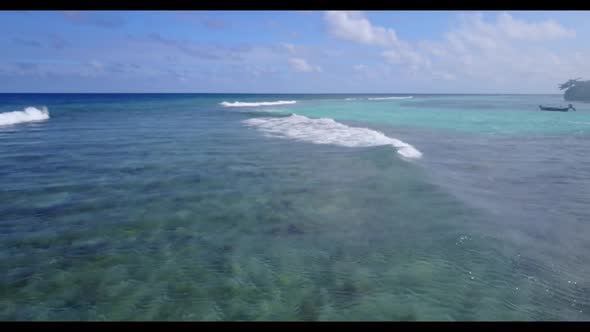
(554,109)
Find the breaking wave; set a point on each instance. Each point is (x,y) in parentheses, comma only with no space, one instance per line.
(261,103)
(328,131)
(29,114)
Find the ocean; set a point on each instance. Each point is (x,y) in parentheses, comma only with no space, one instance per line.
(293,207)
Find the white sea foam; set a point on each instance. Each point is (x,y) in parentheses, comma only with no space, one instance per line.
(328,131)
(260,103)
(258,110)
(29,114)
(388,98)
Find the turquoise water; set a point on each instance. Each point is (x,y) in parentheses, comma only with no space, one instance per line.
(469,114)
(175,207)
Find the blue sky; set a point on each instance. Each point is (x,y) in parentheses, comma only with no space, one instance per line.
(293,51)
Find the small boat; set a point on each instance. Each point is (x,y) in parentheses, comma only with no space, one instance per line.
(557,109)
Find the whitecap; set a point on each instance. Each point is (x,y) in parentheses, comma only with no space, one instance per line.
(260,103)
(328,131)
(29,114)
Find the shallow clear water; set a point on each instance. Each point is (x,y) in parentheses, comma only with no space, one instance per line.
(174,207)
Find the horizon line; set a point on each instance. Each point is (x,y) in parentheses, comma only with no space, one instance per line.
(295,93)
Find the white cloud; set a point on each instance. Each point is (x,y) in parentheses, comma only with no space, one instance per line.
(362,73)
(433,48)
(353,26)
(289,47)
(302,65)
(475,32)
(545,30)
(505,50)
(444,76)
(360,68)
(500,52)
(406,55)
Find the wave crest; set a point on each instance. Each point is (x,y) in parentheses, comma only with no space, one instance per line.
(29,114)
(328,131)
(260,103)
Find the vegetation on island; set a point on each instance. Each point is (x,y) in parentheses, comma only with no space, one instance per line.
(576,90)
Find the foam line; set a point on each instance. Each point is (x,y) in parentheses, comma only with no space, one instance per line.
(29,114)
(254,104)
(328,131)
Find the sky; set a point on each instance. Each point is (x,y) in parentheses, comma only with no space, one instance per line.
(293,51)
